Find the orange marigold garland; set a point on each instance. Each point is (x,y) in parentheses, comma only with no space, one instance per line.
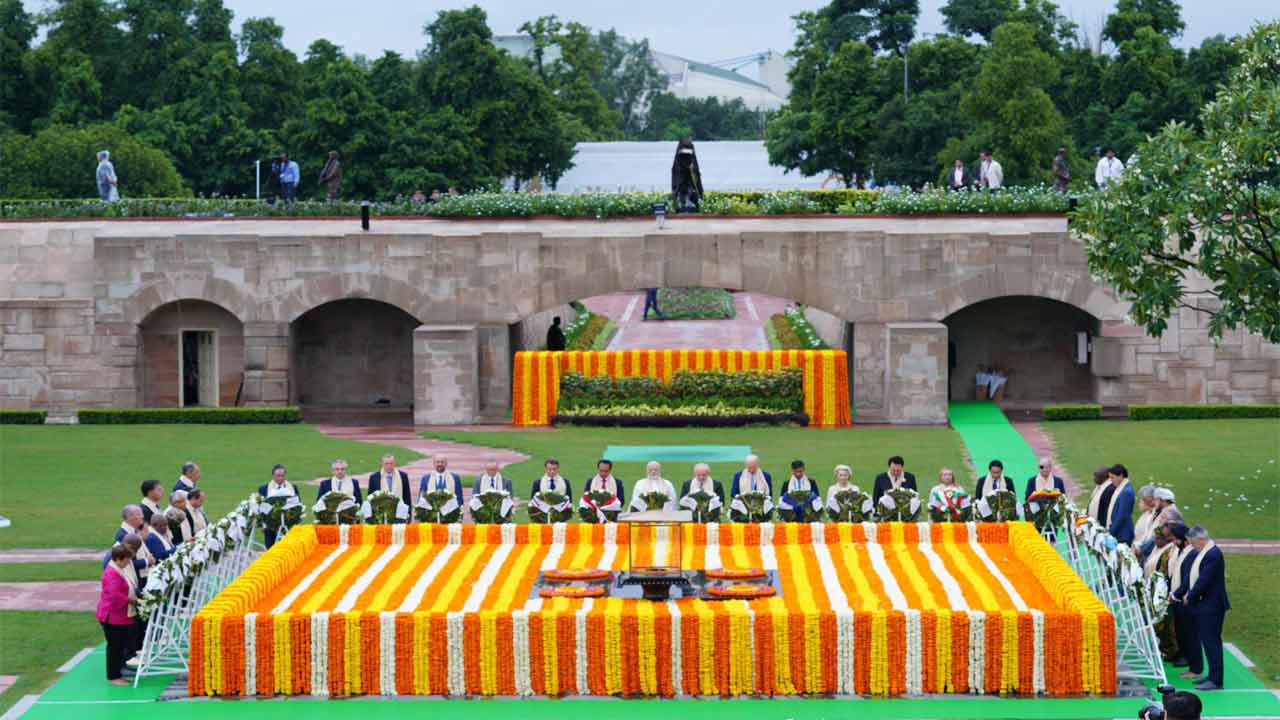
(575,574)
(738,574)
(741,591)
(571,591)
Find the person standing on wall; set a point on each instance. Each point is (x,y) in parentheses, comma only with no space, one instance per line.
(108,189)
(331,176)
(289,176)
(1061,171)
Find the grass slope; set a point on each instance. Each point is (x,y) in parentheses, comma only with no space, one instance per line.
(866,450)
(64,486)
(34,644)
(1253,623)
(1226,473)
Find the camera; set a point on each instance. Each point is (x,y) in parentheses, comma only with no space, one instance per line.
(1172,706)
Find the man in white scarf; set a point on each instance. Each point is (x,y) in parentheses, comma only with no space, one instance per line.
(1206,601)
(604,481)
(340,482)
(1044,480)
(195,503)
(799,482)
(438,479)
(181,523)
(491,481)
(653,482)
(994,481)
(751,478)
(189,477)
(551,481)
(701,482)
(279,485)
(152,494)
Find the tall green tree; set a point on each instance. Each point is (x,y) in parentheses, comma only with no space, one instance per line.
(1013,113)
(270,74)
(1195,222)
(887,25)
(672,118)
(59,162)
(976,17)
(629,78)
(17,30)
(1163,16)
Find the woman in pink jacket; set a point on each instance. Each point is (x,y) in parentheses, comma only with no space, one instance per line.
(115,610)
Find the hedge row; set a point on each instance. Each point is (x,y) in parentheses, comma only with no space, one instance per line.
(588,330)
(778,390)
(682,420)
(200,416)
(23,417)
(1201,412)
(593,204)
(696,303)
(1073,412)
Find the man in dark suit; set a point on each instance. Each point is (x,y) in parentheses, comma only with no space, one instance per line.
(958,179)
(152,495)
(1206,600)
(440,479)
(701,481)
(386,479)
(895,477)
(340,482)
(551,480)
(754,476)
(1184,628)
(1045,479)
(1120,522)
(994,481)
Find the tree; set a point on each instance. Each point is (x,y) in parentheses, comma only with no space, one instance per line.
(629,78)
(882,24)
(270,75)
(976,17)
(1014,115)
(672,118)
(1163,16)
(830,130)
(59,161)
(1195,222)
(79,94)
(17,30)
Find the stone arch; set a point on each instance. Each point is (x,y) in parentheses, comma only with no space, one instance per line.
(191,352)
(316,290)
(1072,287)
(180,286)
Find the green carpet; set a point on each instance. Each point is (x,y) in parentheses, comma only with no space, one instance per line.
(989,436)
(83,695)
(677,453)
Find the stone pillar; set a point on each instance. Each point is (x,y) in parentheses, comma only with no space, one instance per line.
(916,384)
(868,374)
(446,377)
(494,362)
(266,364)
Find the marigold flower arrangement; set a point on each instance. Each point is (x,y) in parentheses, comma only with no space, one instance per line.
(851,506)
(751,507)
(336,508)
(605,502)
(437,506)
(899,505)
(549,507)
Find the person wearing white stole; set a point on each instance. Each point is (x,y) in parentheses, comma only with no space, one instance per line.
(439,479)
(1146,524)
(279,485)
(491,481)
(701,482)
(551,480)
(195,502)
(799,482)
(844,481)
(653,482)
(189,477)
(152,493)
(158,541)
(340,482)
(1120,511)
(1206,601)
(130,521)
(751,479)
(604,481)
(994,481)
(1044,480)
(181,523)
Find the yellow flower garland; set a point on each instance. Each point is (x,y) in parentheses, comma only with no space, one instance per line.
(613,646)
(645,647)
(942,629)
(421,651)
(781,648)
(879,670)
(488,652)
(1009,651)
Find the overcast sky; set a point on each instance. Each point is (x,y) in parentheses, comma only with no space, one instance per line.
(708,30)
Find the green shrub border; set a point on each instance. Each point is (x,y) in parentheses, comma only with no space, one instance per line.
(1086,411)
(1201,412)
(23,417)
(195,416)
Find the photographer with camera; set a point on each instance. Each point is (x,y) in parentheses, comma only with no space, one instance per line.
(1174,705)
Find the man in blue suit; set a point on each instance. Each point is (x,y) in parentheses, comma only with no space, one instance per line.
(1120,517)
(757,480)
(340,482)
(1045,480)
(1206,600)
(441,479)
(391,479)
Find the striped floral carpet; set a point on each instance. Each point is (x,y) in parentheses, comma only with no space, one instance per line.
(882,609)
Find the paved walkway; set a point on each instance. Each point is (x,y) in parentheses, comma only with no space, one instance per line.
(745,331)
(1042,444)
(47,555)
(64,595)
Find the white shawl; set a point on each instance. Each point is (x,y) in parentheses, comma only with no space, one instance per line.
(1111,509)
(1175,567)
(607,484)
(133,585)
(1195,566)
(1096,498)
(1145,527)
(554,484)
(756,482)
(1153,560)
(492,483)
(1044,484)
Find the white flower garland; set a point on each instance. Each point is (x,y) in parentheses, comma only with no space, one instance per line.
(580,648)
(387,653)
(768,556)
(419,589)
(840,604)
(711,556)
(457,685)
(361,584)
(751,640)
(891,588)
(977,651)
(251,654)
(520,646)
(844,651)
(677,678)
(320,654)
(915,676)
(955,596)
(1037,672)
(455,534)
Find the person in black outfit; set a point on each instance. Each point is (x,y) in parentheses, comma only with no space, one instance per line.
(555,336)
(686,178)
(1206,601)
(895,477)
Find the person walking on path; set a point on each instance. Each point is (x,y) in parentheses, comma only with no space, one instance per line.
(288,178)
(1061,171)
(108,189)
(651,301)
(331,176)
(555,336)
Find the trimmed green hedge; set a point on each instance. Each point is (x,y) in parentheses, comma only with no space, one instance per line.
(1202,412)
(588,331)
(1073,412)
(755,390)
(806,334)
(592,204)
(23,417)
(200,416)
(696,303)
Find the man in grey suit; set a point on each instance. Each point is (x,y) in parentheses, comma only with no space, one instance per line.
(491,480)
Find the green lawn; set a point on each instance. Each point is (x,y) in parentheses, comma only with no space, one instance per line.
(46,572)
(866,450)
(64,486)
(1226,473)
(1253,623)
(34,644)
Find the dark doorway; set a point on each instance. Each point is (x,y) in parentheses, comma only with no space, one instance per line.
(199,368)
(353,354)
